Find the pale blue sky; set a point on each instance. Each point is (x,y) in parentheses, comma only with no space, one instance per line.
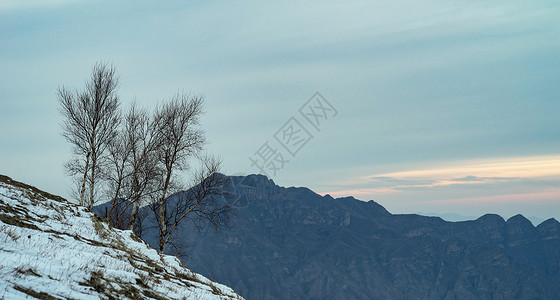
(443,106)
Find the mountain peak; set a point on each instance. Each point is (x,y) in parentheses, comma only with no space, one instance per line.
(252,180)
(550,229)
(491,219)
(520,220)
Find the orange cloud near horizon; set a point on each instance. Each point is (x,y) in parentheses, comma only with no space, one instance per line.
(526,167)
(473,172)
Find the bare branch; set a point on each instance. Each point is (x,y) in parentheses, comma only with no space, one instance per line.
(91,118)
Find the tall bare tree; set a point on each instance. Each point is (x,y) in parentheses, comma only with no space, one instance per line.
(180,139)
(139,159)
(91,119)
(118,176)
(133,172)
(142,133)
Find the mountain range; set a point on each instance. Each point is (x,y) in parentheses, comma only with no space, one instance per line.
(291,243)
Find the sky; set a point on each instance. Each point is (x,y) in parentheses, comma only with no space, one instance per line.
(422,106)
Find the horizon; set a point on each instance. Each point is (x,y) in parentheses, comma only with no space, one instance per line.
(446,216)
(420,106)
(449,216)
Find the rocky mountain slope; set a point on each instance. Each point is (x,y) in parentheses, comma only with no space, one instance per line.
(290,243)
(52,249)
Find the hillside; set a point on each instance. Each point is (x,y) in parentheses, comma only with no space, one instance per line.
(52,249)
(290,243)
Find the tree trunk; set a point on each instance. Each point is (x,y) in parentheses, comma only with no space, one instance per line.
(113,204)
(163,226)
(163,214)
(134,200)
(91,193)
(133,214)
(83,190)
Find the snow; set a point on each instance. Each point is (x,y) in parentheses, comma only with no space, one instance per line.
(50,246)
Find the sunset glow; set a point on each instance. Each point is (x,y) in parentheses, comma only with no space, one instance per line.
(475,174)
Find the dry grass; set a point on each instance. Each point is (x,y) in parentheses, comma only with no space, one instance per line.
(28,271)
(17,220)
(34,294)
(99,228)
(36,191)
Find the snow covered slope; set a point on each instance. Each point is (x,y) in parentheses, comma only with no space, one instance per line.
(52,249)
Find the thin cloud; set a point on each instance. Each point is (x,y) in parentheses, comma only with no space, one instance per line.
(523,167)
(462,173)
(546,196)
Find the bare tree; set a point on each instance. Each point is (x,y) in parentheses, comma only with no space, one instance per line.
(139,159)
(133,171)
(91,120)
(180,139)
(117,177)
(199,204)
(142,134)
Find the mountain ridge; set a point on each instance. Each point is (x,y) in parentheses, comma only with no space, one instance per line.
(289,242)
(292,243)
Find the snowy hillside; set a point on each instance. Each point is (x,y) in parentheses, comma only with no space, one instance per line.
(51,249)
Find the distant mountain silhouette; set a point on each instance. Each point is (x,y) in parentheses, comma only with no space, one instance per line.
(290,243)
(457,217)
